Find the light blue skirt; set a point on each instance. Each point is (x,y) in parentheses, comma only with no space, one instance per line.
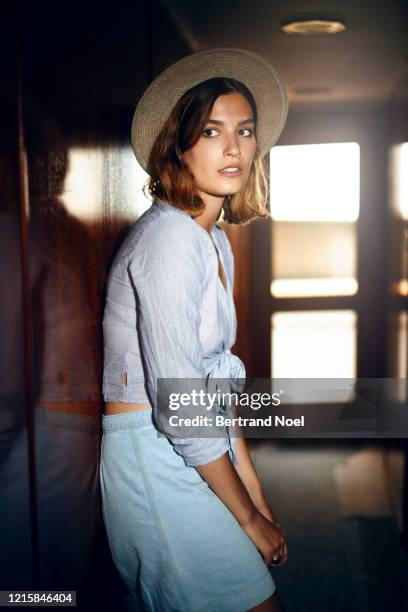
(175,544)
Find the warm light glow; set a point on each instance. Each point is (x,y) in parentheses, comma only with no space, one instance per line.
(400,288)
(316,182)
(318,258)
(109,177)
(313,27)
(402,350)
(403,288)
(303,287)
(398,171)
(401,386)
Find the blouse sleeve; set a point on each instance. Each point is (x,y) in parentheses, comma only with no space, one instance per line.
(168,274)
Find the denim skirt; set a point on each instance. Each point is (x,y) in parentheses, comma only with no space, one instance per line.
(174,543)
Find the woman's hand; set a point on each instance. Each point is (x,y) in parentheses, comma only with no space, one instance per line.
(249,477)
(262,505)
(268,537)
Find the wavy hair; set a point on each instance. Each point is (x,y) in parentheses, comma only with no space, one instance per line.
(170,178)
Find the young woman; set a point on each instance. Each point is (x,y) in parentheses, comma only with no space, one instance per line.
(188,524)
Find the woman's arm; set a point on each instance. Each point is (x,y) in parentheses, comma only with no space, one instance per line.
(226,483)
(245,468)
(267,536)
(240,489)
(247,473)
(168,272)
(249,477)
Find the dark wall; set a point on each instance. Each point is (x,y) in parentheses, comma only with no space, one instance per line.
(15,467)
(72,82)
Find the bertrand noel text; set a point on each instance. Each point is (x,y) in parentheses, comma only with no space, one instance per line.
(206,421)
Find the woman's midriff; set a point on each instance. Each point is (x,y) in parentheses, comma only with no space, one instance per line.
(118,407)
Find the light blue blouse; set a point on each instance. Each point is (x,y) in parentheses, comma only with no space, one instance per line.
(167,315)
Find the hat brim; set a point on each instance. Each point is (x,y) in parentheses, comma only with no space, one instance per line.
(250,68)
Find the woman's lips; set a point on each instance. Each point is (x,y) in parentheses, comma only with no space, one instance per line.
(231,172)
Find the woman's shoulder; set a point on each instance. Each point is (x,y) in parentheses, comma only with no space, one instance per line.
(159,225)
(171,226)
(166,236)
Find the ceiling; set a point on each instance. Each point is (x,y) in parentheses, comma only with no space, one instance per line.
(363,64)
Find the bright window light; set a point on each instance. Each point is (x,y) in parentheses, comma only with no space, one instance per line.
(312,287)
(398,170)
(315,182)
(314,344)
(110,177)
(402,350)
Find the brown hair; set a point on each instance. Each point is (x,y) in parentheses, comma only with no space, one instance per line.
(170,178)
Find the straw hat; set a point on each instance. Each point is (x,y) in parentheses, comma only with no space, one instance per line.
(163,93)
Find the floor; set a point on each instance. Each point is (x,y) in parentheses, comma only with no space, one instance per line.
(340,506)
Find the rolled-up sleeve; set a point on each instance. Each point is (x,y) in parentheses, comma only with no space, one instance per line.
(167,269)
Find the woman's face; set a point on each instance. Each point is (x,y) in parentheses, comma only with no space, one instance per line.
(228,141)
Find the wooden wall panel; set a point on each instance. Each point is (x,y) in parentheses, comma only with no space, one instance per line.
(81,78)
(16,498)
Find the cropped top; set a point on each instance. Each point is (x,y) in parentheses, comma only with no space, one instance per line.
(168,315)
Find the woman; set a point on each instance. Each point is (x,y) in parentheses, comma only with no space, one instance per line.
(187,521)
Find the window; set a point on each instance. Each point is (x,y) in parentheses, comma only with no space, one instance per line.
(315,205)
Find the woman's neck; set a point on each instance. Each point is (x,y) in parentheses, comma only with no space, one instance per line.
(211,213)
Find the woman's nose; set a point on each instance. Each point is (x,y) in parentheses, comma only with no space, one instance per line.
(232,146)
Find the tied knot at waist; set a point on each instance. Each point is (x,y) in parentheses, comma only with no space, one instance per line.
(225,374)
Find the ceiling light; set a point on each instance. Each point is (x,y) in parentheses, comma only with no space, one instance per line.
(313,27)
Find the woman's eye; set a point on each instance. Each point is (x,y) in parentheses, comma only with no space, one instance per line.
(205,133)
(249,131)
